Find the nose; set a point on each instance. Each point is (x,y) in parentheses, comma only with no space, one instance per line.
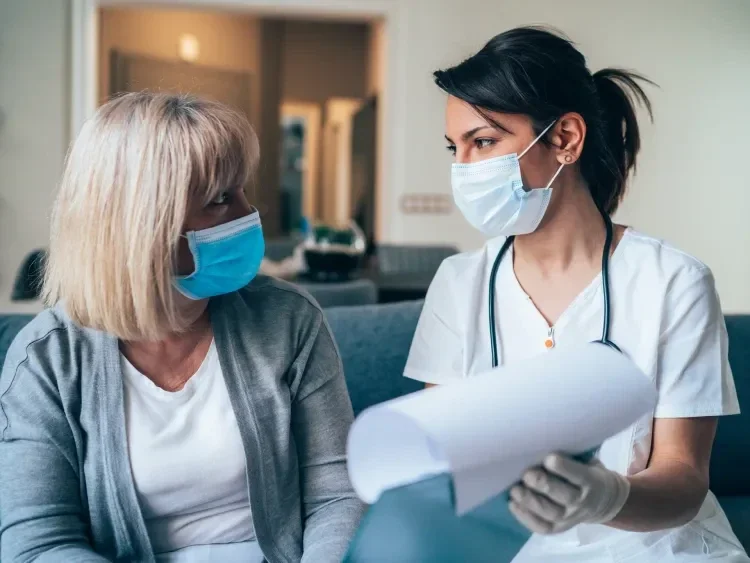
(463,155)
(242,206)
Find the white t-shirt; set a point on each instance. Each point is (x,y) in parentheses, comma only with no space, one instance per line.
(188,462)
(665,315)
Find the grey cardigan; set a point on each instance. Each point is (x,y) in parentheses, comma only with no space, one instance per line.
(66,490)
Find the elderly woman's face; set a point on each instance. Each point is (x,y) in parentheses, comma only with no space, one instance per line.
(227,206)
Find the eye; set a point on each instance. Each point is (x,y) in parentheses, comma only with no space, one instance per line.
(484,143)
(451,149)
(222,198)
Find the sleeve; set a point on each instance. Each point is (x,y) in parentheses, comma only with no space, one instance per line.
(41,517)
(693,374)
(321,418)
(436,354)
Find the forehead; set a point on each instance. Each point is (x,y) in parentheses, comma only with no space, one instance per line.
(461,117)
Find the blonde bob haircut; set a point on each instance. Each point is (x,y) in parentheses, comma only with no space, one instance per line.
(129,180)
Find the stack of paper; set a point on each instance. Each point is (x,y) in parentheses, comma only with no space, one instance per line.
(435,463)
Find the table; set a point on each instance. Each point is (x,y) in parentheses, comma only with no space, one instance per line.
(400,287)
(341,293)
(391,287)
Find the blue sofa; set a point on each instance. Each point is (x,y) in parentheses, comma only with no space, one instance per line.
(374,342)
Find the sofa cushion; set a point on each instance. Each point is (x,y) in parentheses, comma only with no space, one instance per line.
(374,342)
(737,510)
(10,325)
(730,458)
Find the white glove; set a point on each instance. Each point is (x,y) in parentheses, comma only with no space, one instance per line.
(564,493)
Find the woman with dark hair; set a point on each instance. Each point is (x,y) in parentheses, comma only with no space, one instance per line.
(543,151)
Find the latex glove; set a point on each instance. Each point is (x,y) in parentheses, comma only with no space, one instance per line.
(564,493)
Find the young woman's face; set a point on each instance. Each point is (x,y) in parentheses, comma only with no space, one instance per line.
(225,207)
(472,138)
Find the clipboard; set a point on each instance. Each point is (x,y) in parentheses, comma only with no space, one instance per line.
(417,523)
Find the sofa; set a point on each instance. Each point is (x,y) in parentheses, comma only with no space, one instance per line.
(374,342)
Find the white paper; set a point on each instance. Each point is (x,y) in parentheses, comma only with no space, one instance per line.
(487,429)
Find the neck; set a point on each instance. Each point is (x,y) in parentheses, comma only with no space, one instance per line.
(572,234)
(181,343)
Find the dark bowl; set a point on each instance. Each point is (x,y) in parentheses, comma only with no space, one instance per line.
(331,264)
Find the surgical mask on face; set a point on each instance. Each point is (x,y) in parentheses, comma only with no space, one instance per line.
(493,199)
(227,257)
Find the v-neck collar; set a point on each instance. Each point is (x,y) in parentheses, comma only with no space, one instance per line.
(583,296)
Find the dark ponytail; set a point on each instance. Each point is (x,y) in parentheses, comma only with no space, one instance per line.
(617,90)
(539,73)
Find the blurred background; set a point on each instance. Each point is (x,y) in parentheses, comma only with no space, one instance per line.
(351,125)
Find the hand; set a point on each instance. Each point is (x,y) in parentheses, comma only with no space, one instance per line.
(564,493)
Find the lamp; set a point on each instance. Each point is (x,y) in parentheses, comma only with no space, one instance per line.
(189,48)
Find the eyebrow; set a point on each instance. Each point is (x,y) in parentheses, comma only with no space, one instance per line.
(470,133)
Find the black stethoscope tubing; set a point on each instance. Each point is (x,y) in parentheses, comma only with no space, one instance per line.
(605,290)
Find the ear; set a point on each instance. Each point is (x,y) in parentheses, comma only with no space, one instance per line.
(567,136)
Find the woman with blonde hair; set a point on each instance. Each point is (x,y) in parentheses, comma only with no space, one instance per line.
(170,405)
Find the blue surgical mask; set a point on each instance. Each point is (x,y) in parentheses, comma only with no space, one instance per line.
(493,199)
(227,257)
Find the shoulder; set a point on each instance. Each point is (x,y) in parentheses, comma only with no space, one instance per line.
(460,287)
(42,362)
(656,251)
(663,264)
(269,306)
(50,335)
(469,267)
(268,293)
(687,350)
(678,284)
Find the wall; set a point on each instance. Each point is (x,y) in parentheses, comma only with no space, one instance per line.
(377,52)
(692,185)
(34,103)
(323,59)
(227,41)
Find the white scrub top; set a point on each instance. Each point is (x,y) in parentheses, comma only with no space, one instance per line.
(665,315)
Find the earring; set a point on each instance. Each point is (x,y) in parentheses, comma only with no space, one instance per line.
(568,158)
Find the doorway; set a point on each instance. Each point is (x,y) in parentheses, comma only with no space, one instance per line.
(285,75)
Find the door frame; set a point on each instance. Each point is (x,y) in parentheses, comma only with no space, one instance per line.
(311,113)
(391,145)
(337,137)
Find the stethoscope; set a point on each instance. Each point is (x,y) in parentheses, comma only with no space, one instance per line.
(605,290)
